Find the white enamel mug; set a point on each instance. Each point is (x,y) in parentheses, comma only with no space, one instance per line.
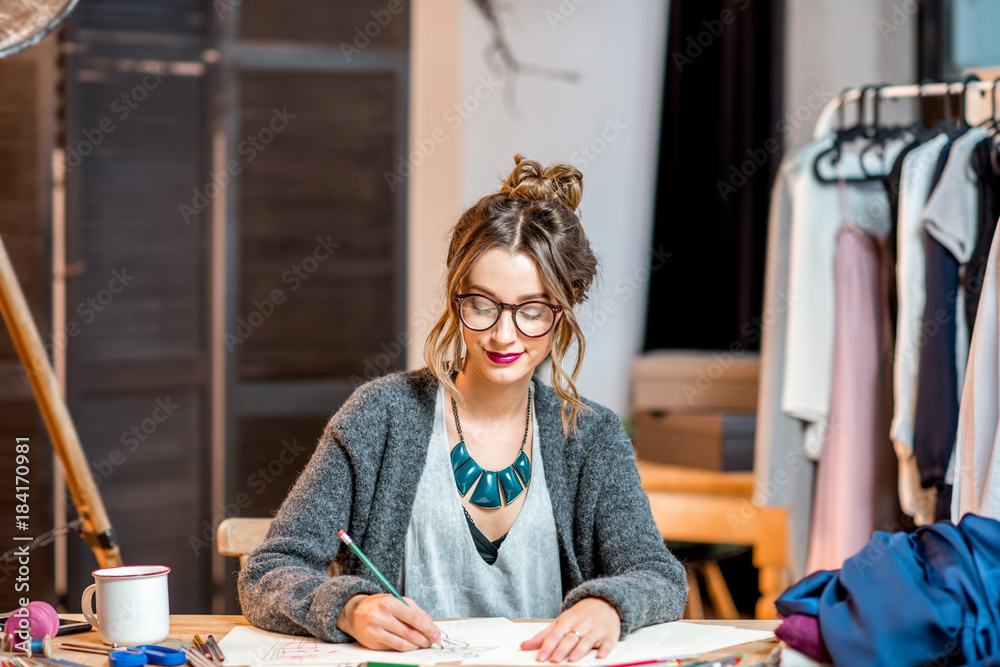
(133,606)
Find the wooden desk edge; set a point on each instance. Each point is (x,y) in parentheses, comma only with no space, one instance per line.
(184,626)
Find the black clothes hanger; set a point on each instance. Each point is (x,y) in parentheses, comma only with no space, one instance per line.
(881,134)
(994,126)
(860,129)
(993,123)
(918,130)
(843,136)
(834,150)
(963,121)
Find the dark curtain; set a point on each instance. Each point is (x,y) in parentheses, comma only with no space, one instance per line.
(934,47)
(720,148)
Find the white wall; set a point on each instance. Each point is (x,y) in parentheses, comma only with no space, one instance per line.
(835,44)
(432,167)
(617,47)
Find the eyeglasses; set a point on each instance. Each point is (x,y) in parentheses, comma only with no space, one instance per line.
(532,318)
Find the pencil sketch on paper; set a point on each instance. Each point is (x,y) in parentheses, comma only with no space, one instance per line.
(304,649)
(456,649)
(310,650)
(260,648)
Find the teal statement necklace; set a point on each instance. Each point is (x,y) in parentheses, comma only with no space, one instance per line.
(512,480)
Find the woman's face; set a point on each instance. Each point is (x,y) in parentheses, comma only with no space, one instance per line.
(502,354)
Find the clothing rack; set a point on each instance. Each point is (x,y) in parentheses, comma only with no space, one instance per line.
(828,115)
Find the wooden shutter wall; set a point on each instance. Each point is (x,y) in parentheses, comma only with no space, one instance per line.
(320,181)
(138,370)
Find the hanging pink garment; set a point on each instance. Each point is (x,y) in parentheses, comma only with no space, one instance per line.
(846,498)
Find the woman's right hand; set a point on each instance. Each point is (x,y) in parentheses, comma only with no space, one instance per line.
(382,622)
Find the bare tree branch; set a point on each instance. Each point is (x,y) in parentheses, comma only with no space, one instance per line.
(500,48)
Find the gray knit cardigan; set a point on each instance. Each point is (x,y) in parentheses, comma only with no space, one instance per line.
(363,478)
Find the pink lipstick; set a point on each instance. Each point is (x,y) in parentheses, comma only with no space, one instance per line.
(503,358)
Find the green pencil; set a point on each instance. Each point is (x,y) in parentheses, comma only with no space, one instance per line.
(364,559)
(371,566)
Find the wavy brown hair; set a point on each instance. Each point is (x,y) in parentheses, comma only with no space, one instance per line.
(533,213)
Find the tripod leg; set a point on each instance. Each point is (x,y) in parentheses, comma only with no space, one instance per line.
(96,527)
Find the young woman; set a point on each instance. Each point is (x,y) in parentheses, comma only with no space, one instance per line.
(477,489)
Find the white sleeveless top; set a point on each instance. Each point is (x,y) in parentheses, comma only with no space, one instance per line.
(442,570)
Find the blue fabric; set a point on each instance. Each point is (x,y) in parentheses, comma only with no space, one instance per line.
(929,597)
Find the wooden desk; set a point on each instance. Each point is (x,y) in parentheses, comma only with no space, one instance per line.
(182,628)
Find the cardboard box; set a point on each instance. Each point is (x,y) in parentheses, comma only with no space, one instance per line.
(678,380)
(721,442)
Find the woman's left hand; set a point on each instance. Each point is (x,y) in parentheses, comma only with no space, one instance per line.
(590,624)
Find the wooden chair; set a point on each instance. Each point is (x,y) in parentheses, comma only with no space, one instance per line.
(694,505)
(238,537)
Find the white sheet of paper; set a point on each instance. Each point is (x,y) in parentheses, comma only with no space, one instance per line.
(460,639)
(480,641)
(650,643)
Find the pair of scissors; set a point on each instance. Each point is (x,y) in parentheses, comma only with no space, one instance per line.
(136,656)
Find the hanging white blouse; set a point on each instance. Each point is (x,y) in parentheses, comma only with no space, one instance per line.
(816,218)
(914,191)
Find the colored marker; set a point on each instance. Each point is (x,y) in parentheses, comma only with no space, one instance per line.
(213,646)
(201,646)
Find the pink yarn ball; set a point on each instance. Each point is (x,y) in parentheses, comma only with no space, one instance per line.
(42,618)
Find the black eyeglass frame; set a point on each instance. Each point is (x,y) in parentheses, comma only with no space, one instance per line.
(513,308)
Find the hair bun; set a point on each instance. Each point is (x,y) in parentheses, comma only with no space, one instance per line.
(562,182)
